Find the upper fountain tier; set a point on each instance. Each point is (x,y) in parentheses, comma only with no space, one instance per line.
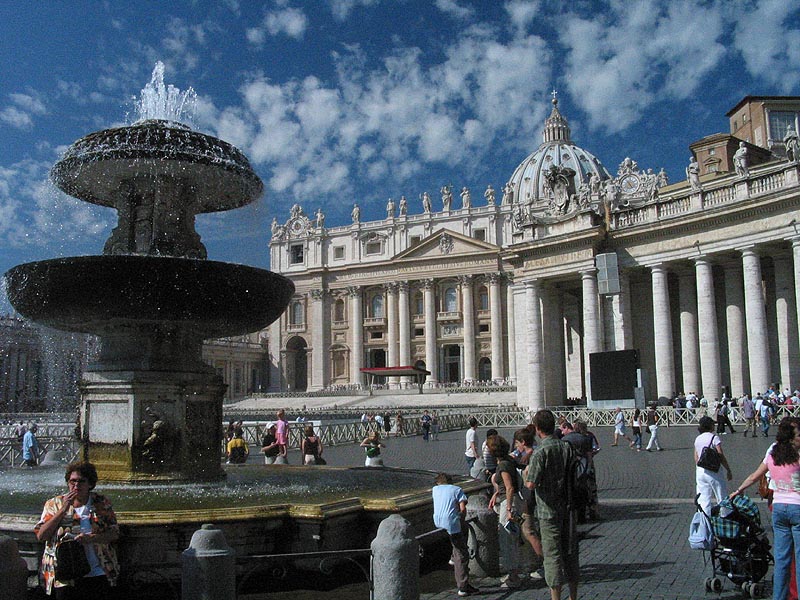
(103,166)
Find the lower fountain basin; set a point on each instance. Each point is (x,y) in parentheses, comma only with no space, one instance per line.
(96,294)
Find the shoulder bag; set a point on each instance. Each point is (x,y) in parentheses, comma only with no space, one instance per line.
(71,562)
(709,458)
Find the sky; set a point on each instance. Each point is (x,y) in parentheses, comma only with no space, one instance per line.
(338,102)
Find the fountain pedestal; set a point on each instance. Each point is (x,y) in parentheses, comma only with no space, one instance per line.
(153,425)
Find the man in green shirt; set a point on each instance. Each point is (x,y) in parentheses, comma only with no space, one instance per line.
(547,477)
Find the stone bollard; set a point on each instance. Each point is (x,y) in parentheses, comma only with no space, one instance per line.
(395,561)
(13,570)
(209,566)
(483,540)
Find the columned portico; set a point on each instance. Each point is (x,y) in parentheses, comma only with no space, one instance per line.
(469,327)
(429,302)
(707,329)
(662,333)
(591,324)
(496,326)
(536,391)
(690,357)
(757,342)
(357,334)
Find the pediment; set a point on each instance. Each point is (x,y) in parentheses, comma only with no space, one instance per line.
(444,244)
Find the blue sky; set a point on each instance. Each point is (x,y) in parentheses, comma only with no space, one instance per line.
(343,101)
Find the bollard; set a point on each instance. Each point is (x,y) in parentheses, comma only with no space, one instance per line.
(13,570)
(483,542)
(208,566)
(395,561)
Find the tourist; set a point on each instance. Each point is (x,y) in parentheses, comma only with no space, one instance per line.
(30,447)
(269,445)
(229,431)
(636,429)
(86,516)
(723,420)
(749,414)
(765,410)
(546,476)
(711,486)
(507,503)
(449,513)
(372,448)
(434,426)
(400,426)
(282,435)
(311,447)
(387,423)
(425,423)
(591,473)
(471,451)
(652,427)
(21,430)
(619,427)
(489,461)
(523,449)
(783,464)
(237,449)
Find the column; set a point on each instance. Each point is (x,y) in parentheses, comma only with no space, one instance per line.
(496,326)
(391,330)
(662,332)
(707,330)
(786,317)
(553,353)
(356,335)
(690,355)
(734,319)
(405,324)
(591,324)
(621,307)
(796,263)
(756,318)
(276,381)
(536,399)
(320,323)
(468,315)
(512,332)
(429,301)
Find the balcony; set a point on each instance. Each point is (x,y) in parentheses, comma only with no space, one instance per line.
(449,316)
(340,324)
(295,327)
(374,322)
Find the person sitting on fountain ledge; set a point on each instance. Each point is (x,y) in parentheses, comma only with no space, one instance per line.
(237,449)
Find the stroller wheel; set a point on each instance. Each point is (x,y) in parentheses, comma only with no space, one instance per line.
(756,590)
(716,584)
(707,584)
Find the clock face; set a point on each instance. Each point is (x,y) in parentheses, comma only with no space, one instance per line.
(296,226)
(629,184)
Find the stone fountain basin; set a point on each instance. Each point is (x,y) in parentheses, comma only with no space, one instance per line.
(216,176)
(261,509)
(96,294)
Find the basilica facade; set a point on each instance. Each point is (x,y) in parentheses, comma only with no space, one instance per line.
(569,259)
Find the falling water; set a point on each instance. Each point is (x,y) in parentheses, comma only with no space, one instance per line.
(160,101)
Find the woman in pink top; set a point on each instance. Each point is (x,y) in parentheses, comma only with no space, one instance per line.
(783,464)
(282,433)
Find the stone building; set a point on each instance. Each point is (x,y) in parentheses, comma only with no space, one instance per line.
(565,261)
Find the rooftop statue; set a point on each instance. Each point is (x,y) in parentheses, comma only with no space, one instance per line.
(466,198)
(447,197)
(356,214)
(740,161)
(403,206)
(426,202)
(693,174)
(489,195)
(390,209)
(792,144)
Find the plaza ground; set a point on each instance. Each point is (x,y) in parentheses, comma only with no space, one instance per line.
(638,550)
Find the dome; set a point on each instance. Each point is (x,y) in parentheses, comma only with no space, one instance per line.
(529,183)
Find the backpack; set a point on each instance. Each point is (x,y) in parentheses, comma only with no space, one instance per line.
(700,534)
(579,493)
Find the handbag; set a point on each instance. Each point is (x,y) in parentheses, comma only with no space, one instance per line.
(763,488)
(709,458)
(71,562)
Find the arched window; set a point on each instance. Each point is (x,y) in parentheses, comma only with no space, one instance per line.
(297,315)
(377,306)
(483,299)
(450,300)
(485,369)
(419,304)
(338,311)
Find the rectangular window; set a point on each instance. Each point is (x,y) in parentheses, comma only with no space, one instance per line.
(338,253)
(779,121)
(296,256)
(419,332)
(712,151)
(376,335)
(480,234)
(414,240)
(373,248)
(483,328)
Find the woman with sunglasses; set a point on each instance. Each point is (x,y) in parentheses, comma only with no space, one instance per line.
(86,516)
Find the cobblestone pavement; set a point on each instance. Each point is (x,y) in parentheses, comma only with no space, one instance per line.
(638,550)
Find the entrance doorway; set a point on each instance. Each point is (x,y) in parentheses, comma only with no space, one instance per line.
(452,363)
(297,365)
(377,358)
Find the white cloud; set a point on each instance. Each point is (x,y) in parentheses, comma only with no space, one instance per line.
(13,116)
(28,103)
(341,8)
(289,21)
(454,9)
(522,13)
(22,110)
(770,47)
(617,58)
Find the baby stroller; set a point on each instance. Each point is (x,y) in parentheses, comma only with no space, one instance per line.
(741,550)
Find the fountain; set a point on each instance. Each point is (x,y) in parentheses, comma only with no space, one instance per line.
(151,410)
(150,407)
